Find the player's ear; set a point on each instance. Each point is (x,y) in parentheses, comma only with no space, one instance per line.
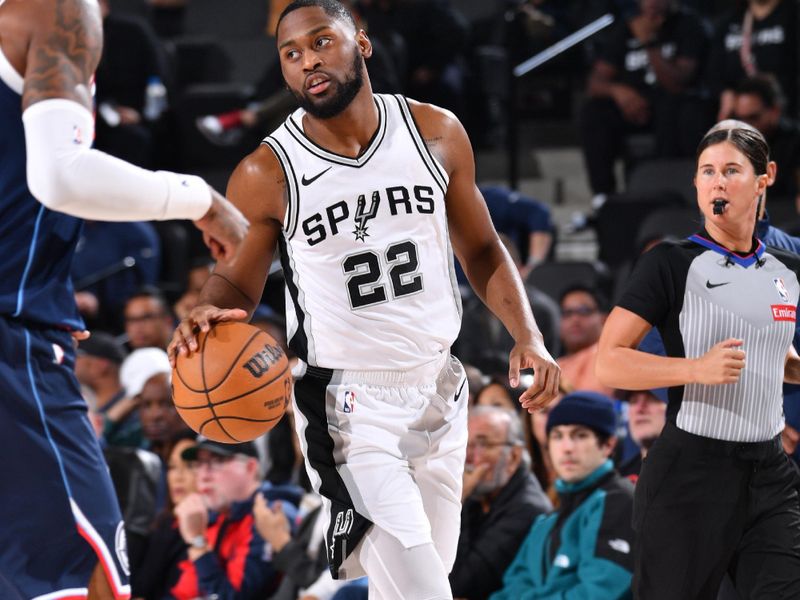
(363,43)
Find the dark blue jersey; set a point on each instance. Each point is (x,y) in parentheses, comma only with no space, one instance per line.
(36,244)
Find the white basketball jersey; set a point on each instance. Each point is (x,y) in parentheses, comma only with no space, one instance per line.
(365,249)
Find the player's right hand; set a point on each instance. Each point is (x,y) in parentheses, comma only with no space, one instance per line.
(723,363)
(223,227)
(184,340)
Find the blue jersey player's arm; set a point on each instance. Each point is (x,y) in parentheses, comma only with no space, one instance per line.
(55,45)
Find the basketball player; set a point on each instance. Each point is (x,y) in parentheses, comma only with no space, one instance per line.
(61,525)
(364,193)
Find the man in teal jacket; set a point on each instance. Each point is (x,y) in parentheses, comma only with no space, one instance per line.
(583,549)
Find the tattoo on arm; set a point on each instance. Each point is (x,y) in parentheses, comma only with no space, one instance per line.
(64,54)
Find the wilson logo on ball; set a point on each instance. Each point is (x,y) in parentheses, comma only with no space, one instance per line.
(261,361)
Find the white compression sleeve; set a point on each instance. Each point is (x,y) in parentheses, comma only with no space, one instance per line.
(67,175)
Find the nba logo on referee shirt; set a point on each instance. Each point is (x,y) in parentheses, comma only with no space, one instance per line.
(349,402)
(781,287)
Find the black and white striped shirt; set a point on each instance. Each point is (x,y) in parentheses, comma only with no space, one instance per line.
(698,293)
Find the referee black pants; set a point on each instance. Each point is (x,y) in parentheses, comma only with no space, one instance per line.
(704,507)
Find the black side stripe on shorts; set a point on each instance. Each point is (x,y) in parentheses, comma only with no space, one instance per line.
(347,526)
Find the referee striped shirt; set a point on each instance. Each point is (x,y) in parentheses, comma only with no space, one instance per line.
(698,293)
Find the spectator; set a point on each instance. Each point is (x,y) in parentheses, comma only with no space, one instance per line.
(525,221)
(496,393)
(154,571)
(146,377)
(583,549)
(536,435)
(647,414)
(226,555)
(97,366)
(644,80)
(501,500)
(132,58)
(583,313)
(148,320)
(759,101)
(759,36)
(112,262)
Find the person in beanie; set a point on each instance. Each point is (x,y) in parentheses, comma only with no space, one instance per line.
(583,549)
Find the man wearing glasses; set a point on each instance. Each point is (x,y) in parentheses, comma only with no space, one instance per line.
(227,556)
(583,312)
(501,498)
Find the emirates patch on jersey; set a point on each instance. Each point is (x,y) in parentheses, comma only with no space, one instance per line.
(784,312)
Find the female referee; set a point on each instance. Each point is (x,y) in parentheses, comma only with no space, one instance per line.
(716,493)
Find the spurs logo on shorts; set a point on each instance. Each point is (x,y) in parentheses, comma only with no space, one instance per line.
(341,527)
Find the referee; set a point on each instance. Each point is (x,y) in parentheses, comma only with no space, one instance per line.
(716,493)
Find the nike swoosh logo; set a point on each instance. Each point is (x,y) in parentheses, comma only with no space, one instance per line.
(460,389)
(305,181)
(711,286)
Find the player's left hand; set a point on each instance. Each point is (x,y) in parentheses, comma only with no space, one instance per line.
(546,373)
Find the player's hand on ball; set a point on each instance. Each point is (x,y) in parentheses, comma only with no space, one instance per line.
(184,340)
(271,523)
(723,363)
(223,227)
(192,516)
(546,374)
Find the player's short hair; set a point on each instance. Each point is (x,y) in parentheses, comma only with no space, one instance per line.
(332,8)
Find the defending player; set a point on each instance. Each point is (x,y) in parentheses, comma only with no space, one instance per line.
(364,193)
(61,524)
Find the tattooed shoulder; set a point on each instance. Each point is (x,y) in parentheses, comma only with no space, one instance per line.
(64,53)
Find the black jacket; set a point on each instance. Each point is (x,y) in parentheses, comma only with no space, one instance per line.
(489,542)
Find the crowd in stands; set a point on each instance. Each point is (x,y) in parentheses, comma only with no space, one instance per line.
(548,496)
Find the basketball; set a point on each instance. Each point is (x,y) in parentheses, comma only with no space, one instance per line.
(235,387)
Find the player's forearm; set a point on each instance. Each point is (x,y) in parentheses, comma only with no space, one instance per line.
(223,291)
(496,281)
(66,175)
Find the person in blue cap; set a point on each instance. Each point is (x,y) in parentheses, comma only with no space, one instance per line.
(583,549)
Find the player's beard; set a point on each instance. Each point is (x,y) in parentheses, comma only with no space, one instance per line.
(345,92)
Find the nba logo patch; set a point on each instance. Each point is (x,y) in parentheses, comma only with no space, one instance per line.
(77,135)
(781,287)
(349,402)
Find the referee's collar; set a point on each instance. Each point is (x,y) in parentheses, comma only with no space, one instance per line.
(745,260)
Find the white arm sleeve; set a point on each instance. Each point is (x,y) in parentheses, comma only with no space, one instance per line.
(67,175)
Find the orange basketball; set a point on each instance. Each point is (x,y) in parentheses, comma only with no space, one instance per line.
(235,387)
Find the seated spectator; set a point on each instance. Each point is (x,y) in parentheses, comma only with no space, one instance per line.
(757,36)
(525,221)
(226,556)
(645,79)
(97,366)
(583,313)
(496,393)
(583,549)
(132,58)
(148,320)
(647,414)
(146,376)
(759,102)
(112,262)
(501,498)
(154,569)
